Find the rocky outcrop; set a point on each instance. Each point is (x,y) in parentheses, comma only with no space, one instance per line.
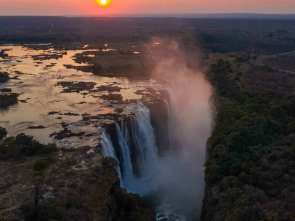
(77,185)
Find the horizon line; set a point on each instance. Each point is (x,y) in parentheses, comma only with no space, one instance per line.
(168,15)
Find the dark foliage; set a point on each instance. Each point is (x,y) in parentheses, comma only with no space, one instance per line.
(4,76)
(251,150)
(43,164)
(3,133)
(43,212)
(23,145)
(8,99)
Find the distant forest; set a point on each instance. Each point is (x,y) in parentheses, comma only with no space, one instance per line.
(262,36)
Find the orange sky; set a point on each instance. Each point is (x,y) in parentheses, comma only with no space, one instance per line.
(89,7)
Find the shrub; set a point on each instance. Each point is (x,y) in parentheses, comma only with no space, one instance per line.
(229,182)
(109,163)
(272,216)
(245,213)
(40,212)
(291,127)
(8,99)
(42,164)
(4,76)
(23,145)
(8,148)
(3,133)
(49,148)
(273,157)
(234,193)
(135,208)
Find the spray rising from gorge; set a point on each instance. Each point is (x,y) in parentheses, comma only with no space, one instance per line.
(176,175)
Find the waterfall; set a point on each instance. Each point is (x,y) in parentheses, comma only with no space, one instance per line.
(125,160)
(108,149)
(139,134)
(176,179)
(144,137)
(107,146)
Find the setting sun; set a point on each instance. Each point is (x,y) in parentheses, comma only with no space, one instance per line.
(103,3)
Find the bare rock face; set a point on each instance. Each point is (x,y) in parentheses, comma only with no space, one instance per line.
(159,119)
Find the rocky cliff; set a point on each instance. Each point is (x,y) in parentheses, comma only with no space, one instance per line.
(74,185)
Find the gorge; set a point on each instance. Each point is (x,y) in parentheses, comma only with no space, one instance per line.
(165,160)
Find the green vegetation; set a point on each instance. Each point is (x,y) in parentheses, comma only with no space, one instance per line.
(5,90)
(23,145)
(44,212)
(132,70)
(43,164)
(4,76)
(3,133)
(129,70)
(134,208)
(251,152)
(8,99)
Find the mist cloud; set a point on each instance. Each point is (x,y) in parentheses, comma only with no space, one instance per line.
(179,175)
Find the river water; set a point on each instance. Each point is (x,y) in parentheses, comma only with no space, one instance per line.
(37,81)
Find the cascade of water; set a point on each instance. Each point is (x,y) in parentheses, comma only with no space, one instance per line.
(107,146)
(173,175)
(144,137)
(108,149)
(126,163)
(142,134)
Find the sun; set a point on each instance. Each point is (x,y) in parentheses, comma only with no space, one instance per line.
(103,3)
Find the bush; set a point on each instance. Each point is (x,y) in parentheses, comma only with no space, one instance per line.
(4,76)
(27,144)
(3,133)
(291,127)
(48,149)
(40,212)
(8,148)
(42,164)
(23,145)
(109,163)
(135,208)
(8,99)
(229,182)
(244,213)
(273,157)
(272,216)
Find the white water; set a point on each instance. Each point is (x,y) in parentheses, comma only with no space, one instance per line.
(108,149)
(150,164)
(126,164)
(177,177)
(143,137)
(107,146)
